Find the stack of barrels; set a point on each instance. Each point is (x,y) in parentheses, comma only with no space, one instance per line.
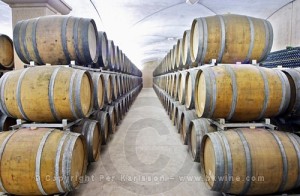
(6,64)
(196,93)
(46,160)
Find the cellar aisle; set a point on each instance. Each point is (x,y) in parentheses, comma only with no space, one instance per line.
(144,157)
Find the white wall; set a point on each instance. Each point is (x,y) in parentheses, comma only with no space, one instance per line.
(147,70)
(286,26)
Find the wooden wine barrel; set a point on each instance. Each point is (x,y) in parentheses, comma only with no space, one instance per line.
(173,62)
(6,52)
(165,102)
(190,81)
(186,117)
(122,109)
(257,161)
(179,109)
(47,94)
(169,106)
(123,84)
(91,131)
(230,38)
(125,105)
(99,90)
(42,161)
(122,59)
(293,76)
(119,84)
(108,88)
(118,112)
(103,57)
(112,113)
(175,86)
(197,129)
(174,104)
(117,58)
(104,122)
(241,93)
(64,37)
(6,122)
(114,86)
(181,87)
(186,50)
(169,82)
(111,51)
(178,60)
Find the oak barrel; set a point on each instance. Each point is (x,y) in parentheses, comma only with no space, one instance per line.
(250,161)
(115,87)
(190,81)
(179,109)
(178,60)
(173,106)
(186,50)
(112,113)
(112,55)
(230,38)
(42,161)
(293,76)
(197,129)
(6,52)
(241,93)
(186,117)
(103,57)
(108,88)
(117,58)
(46,94)
(99,90)
(118,112)
(173,59)
(175,86)
(181,87)
(104,122)
(91,131)
(64,37)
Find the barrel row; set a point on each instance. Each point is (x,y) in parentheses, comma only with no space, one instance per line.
(231,91)
(59,159)
(108,87)
(62,92)
(99,128)
(68,39)
(226,38)
(218,152)
(111,57)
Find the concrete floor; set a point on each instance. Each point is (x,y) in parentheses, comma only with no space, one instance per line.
(144,157)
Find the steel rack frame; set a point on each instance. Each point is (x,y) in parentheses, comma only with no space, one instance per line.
(222,125)
(64,125)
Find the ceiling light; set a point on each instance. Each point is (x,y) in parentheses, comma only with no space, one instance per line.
(171,38)
(192,2)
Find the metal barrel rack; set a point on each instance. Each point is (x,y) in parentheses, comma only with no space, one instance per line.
(64,125)
(222,125)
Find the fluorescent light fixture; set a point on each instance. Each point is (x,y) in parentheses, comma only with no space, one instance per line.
(192,2)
